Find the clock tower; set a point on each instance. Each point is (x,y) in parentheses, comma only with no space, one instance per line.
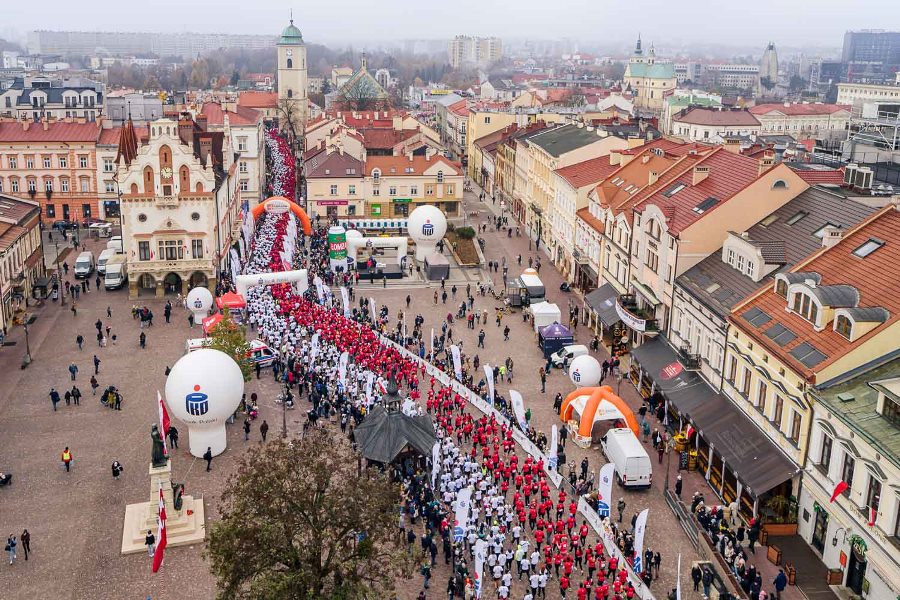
(292,84)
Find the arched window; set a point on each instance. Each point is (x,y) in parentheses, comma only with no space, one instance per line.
(654,229)
(376,175)
(290,63)
(184,178)
(843,325)
(134,188)
(290,93)
(806,307)
(781,288)
(149,186)
(440,177)
(781,184)
(199,188)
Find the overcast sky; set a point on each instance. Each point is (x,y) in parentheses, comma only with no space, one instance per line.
(353,22)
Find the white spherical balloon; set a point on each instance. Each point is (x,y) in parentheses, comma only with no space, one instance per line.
(203,390)
(199,301)
(426,225)
(354,233)
(585,371)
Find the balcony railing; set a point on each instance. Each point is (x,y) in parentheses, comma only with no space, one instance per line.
(635,317)
(187,264)
(691,361)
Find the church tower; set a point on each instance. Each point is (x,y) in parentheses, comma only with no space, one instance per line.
(292,83)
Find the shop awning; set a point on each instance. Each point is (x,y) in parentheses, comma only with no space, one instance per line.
(603,302)
(646,292)
(755,459)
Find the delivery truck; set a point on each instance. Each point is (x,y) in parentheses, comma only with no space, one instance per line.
(116,272)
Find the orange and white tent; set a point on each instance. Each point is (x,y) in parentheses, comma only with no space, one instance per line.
(590,406)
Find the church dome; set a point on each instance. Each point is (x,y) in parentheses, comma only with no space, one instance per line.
(291,35)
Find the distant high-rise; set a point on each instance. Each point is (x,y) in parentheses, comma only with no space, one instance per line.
(768,68)
(871,56)
(185,45)
(476,51)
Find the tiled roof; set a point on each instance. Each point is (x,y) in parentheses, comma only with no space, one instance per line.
(838,266)
(587,172)
(729,173)
(716,117)
(590,220)
(215,115)
(56,131)
(258,99)
(820,176)
(459,108)
(110,137)
(381,138)
(418,164)
(794,110)
(336,165)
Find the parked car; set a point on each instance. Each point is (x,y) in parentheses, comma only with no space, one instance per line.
(63,225)
(91,221)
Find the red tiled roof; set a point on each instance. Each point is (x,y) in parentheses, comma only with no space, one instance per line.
(459,108)
(816,176)
(215,115)
(667,146)
(729,173)
(258,99)
(837,266)
(110,137)
(794,110)
(590,220)
(381,138)
(418,164)
(714,117)
(587,172)
(56,131)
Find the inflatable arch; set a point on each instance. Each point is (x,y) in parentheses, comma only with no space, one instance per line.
(595,404)
(280,204)
(300,278)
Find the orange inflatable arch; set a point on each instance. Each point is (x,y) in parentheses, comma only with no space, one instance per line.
(295,208)
(595,396)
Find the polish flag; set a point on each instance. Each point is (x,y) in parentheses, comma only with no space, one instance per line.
(873,514)
(160,534)
(838,490)
(164,421)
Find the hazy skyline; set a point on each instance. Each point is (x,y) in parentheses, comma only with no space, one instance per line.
(593,22)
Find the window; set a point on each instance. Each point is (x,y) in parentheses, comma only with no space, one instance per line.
(781,288)
(799,216)
(46,162)
(13,162)
(450,189)
(847,472)
(170,250)
(487,120)
(290,93)
(351,190)
(242,144)
(796,420)
(761,392)
(873,495)
(429,189)
(143,250)
(290,63)
(440,177)
(32,185)
(14,185)
(739,264)
(891,411)
(745,384)
(413,190)
(351,210)
(652,259)
(843,326)
(86,210)
(245,185)
(29,162)
(376,176)
(334,190)
(868,248)
(1,185)
(85,184)
(654,229)
(731,256)
(48,185)
(242,166)
(110,187)
(805,307)
(83,161)
(779,410)
(196,248)
(768,220)
(825,454)
(376,191)
(751,268)
(51,211)
(63,162)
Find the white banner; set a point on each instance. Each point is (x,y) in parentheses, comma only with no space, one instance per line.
(320,292)
(604,489)
(480,554)
(314,347)
(461,517)
(236,267)
(489,374)
(435,462)
(345,298)
(342,367)
(370,382)
(457,361)
(372,310)
(432,343)
(678,580)
(640,526)
(518,406)
(553,458)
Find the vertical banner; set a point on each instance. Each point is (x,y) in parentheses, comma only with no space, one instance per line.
(678,580)
(461,516)
(553,458)
(432,345)
(314,347)
(345,298)
(435,462)
(480,554)
(604,489)
(457,361)
(370,382)
(640,527)
(342,367)
(372,310)
(320,291)
(489,375)
(518,406)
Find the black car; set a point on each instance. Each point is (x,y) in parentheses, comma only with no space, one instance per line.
(63,225)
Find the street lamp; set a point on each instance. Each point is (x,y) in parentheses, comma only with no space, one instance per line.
(27,360)
(59,277)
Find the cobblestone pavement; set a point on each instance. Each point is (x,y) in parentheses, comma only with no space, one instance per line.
(76,518)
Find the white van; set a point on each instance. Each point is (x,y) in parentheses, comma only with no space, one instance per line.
(115,243)
(84,265)
(624,450)
(101,260)
(569,352)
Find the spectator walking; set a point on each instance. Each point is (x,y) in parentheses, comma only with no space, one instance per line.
(621,508)
(54,398)
(150,542)
(67,458)
(96,365)
(11,548)
(264,430)
(73,370)
(207,456)
(25,538)
(117,469)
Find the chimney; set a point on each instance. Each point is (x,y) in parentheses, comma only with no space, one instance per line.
(615,158)
(700,173)
(733,145)
(766,163)
(654,176)
(201,121)
(46,124)
(831,236)
(185,131)
(205,149)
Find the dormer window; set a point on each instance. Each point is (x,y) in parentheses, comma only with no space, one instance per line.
(868,248)
(844,326)
(781,288)
(376,175)
(806,307)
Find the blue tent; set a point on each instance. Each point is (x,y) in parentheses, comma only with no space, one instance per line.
(553,337)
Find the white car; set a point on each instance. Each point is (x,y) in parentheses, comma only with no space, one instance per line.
(570,352)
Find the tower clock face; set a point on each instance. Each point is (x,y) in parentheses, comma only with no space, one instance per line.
(289,52)
(166,172)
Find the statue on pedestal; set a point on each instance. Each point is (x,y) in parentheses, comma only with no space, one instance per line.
(158,457)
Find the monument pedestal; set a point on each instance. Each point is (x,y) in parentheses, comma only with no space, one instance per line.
(184,527)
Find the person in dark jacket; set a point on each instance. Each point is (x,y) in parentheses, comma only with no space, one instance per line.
(678,486)
(780,583)
(696,576)
(707,581)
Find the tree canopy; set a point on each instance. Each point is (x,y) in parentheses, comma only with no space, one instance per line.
(299,521)
(231,338)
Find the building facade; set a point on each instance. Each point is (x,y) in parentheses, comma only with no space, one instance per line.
(466,50)
(247,140)
(293,87)
(37,98)
(713,125)
(21,257)
(803,121)
(649,79)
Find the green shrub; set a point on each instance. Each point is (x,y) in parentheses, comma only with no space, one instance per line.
(465,233)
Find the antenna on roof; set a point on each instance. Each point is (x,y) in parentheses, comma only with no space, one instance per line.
(129,110)
(292,16)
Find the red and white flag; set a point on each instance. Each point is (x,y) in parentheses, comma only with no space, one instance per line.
(164,421)
(160,551)
(873,514)
(838,490)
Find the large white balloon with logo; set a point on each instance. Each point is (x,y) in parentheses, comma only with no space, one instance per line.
(426,225)
(203,389)
(199,301)
(585,371)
